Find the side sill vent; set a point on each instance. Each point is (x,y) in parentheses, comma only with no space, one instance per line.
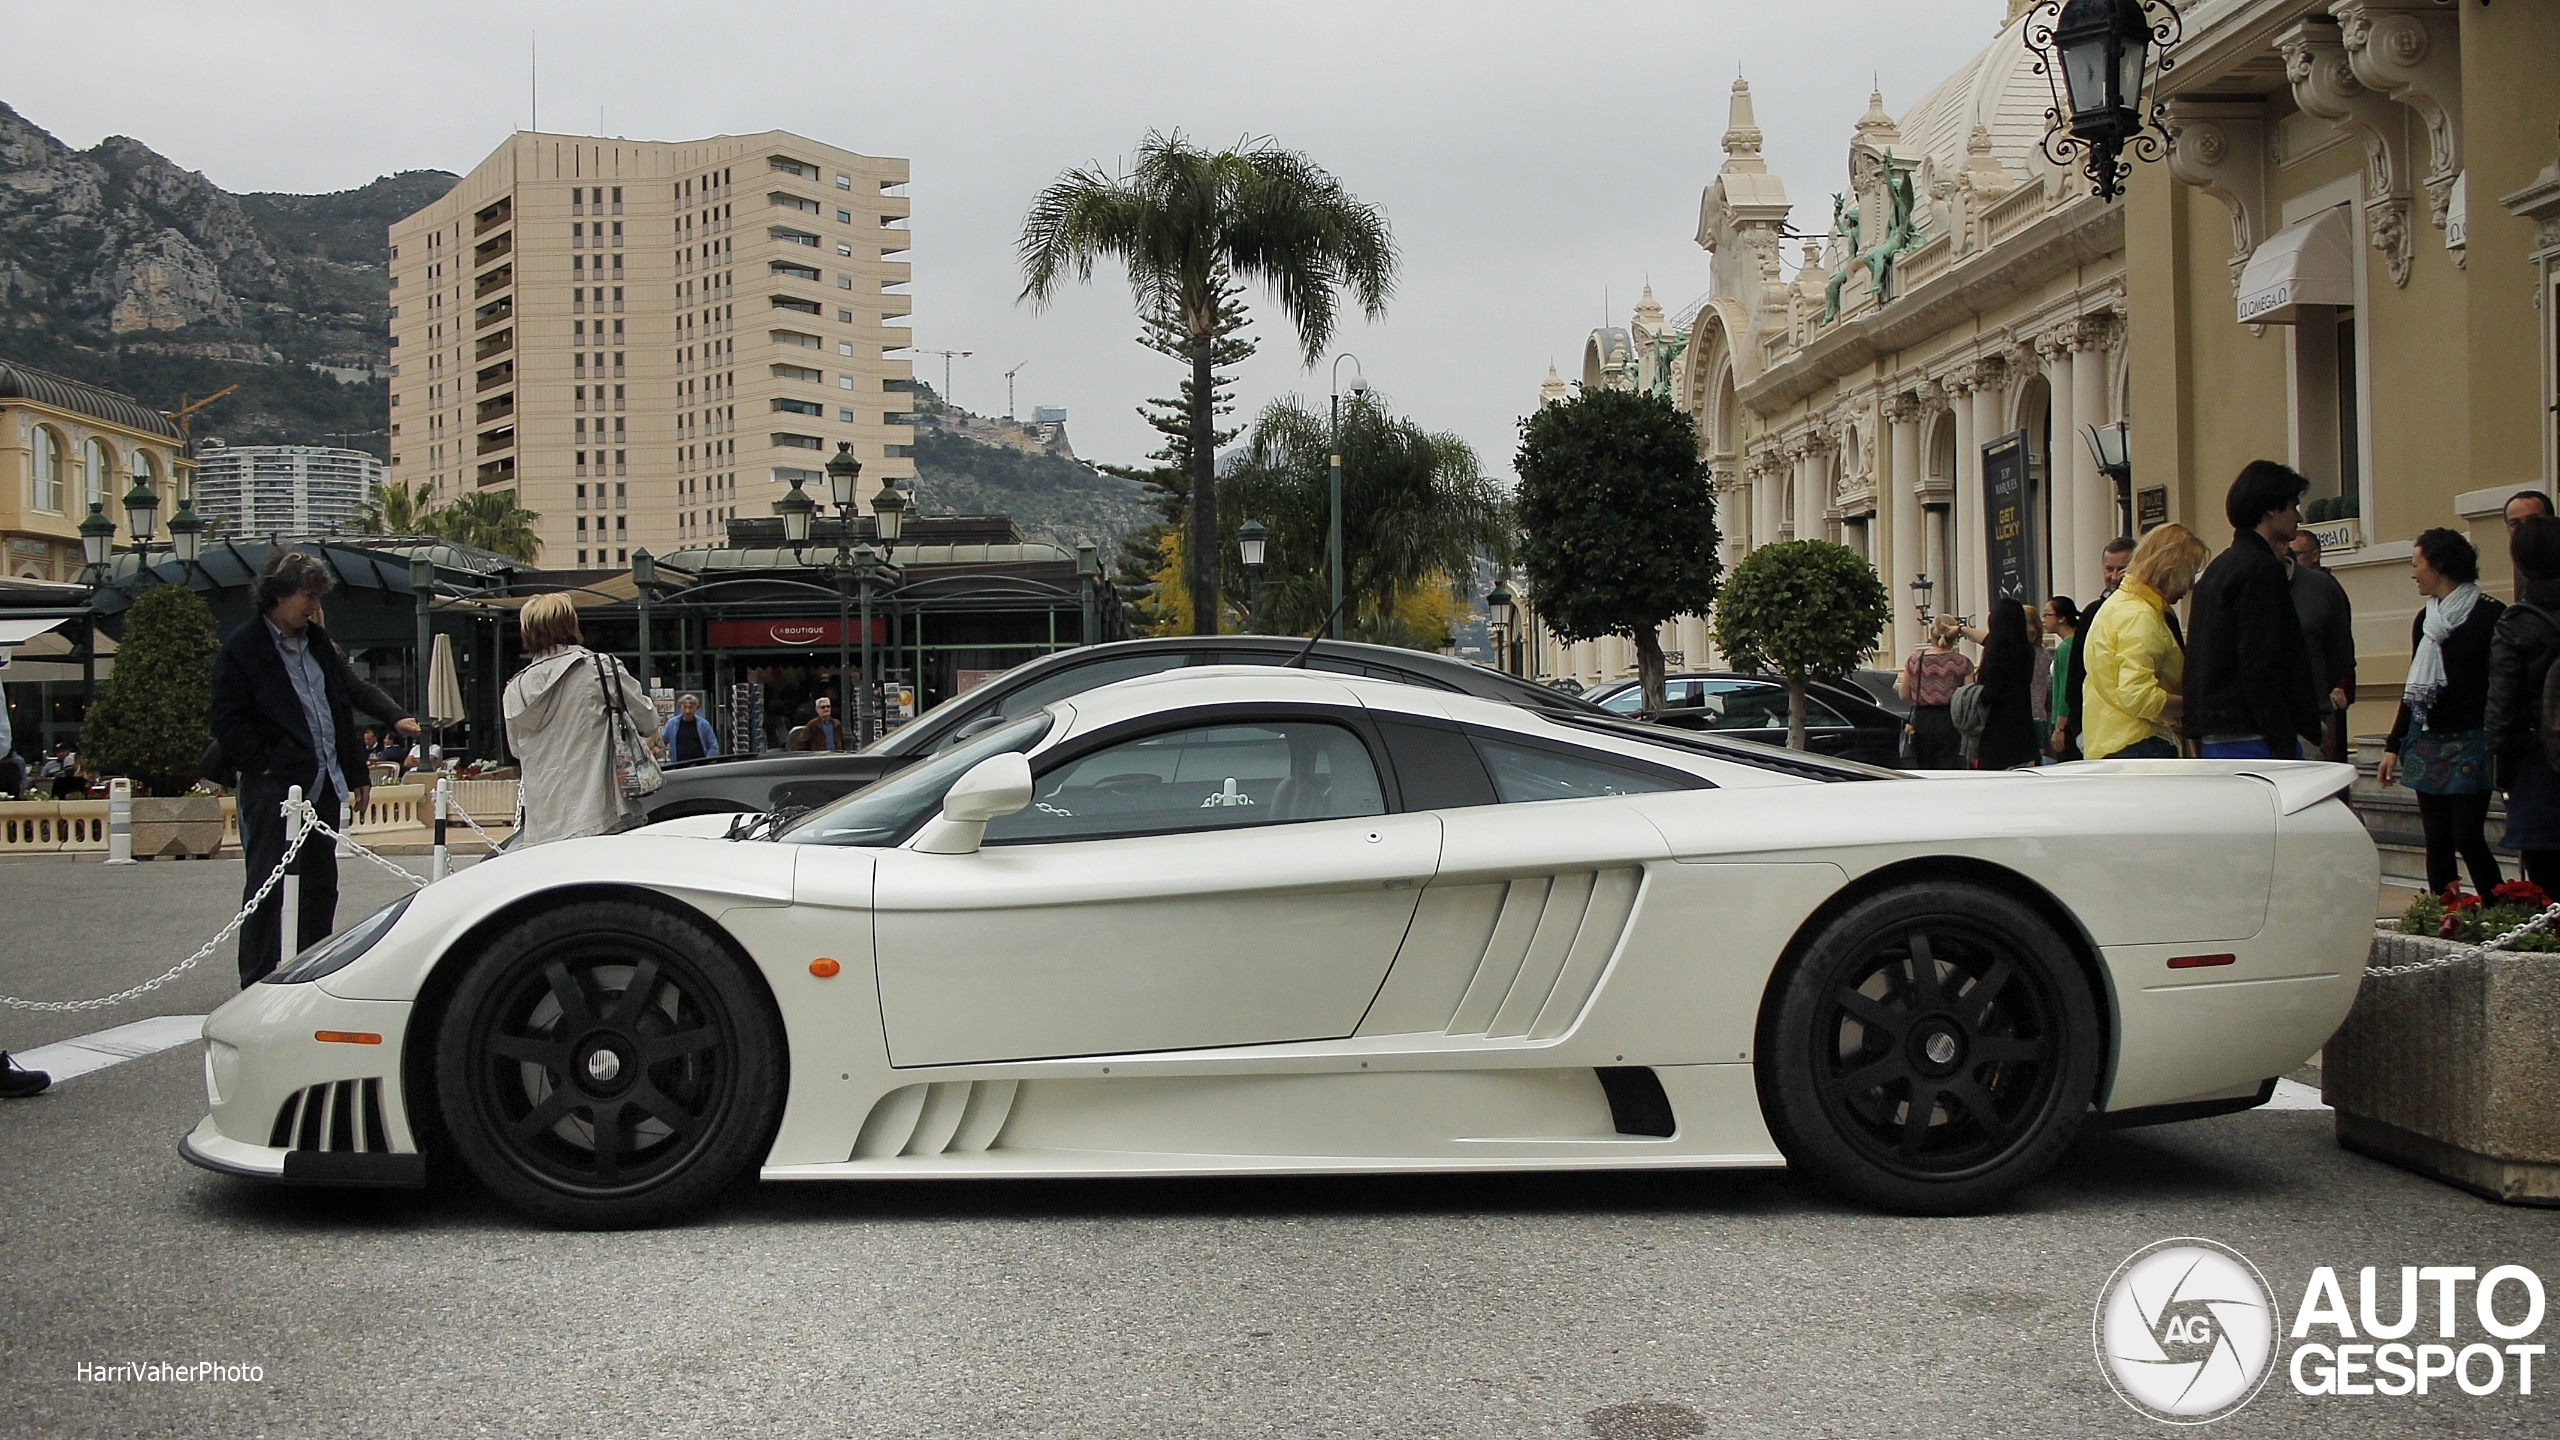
(950,1117)
(1637,1105)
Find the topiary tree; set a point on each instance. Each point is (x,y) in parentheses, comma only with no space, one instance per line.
(1620,521)
(1800,608)
(148,720)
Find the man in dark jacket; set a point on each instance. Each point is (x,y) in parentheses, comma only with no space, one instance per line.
(2249,681)
(2119,554)
(2329,633)
(283,715)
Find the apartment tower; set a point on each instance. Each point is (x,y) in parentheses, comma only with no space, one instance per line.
(643,340)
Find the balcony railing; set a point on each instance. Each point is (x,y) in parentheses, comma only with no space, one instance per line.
(493,312)
(490,249)
(494,376)
(496,440)
(498,408)
(498,279)
(498,472)
(491,217)
(498,344)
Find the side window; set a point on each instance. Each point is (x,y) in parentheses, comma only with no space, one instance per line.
(1063,682)
(1625,702)
(1436,769)
(1761,707)
(1528,772)
(1210,777)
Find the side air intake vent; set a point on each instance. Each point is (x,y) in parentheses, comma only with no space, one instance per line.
(342,1115)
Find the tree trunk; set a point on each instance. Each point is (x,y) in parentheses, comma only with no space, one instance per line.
(1795,712)
(1649,665)
(1200,551)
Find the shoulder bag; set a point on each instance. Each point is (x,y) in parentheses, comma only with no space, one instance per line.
(635,770)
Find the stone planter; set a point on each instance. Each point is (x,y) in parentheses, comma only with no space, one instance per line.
(188,827)
(2454,1073)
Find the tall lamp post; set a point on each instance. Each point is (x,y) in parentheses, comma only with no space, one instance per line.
(1251,538)
(1497,617)
(1333,546)
(863,566)
(644,575)
(422,586)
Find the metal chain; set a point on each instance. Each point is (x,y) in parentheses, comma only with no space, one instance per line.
(456,812)
(312,825)
(183,966)
(2541,922)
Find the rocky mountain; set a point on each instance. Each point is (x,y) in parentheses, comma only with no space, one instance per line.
(119,268)
(1051,497)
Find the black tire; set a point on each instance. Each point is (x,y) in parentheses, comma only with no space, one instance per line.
(1932,1049)
(608,1021)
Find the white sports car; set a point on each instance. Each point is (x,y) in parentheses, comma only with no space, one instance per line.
(1247,920)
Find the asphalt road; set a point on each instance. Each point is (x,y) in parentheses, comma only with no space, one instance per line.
(1619,1307)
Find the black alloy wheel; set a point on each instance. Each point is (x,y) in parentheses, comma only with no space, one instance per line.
(607,1064)
(1934,1048)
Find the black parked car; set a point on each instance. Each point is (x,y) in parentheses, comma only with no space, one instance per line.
(1839,718)
(787,779)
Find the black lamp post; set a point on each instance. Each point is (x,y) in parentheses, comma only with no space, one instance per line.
(861,566)
(1251,539)
(97,541)
(644,575)
(2093,55)
(186,532)
(1497,616)
(1333,547)
(1921,589)
(422,588)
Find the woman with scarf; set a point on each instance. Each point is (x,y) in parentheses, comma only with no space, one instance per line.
(2440,742)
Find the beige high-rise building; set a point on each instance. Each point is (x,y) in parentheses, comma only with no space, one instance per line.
(644,339)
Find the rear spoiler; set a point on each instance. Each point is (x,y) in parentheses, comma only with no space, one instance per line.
(2299,784)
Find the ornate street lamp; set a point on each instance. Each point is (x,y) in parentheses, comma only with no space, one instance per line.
(186,532)
(97,538)
(1497,616)
(1333,548)
(142,514)
(888,513)
(2094,55)
(797,511)
(842,471)
(1921,588)
(1251,539)
(2110,446)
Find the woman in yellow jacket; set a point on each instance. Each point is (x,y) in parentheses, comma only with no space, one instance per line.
(2135,663)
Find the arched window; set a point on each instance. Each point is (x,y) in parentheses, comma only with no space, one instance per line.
(95,475)
(48,476)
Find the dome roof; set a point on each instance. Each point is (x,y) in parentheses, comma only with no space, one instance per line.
(1999,90)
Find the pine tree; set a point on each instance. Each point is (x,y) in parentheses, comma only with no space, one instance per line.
(148,722)
(1136,570)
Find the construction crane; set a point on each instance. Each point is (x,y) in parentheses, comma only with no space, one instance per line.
(1008,390)
(947,356)
(184,416)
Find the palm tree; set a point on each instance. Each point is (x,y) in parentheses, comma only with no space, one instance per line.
(396,509)
(1187,223)
(492,520)
(1416,511)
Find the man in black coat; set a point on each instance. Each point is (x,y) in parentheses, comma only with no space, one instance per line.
(2250,686)
(283,715)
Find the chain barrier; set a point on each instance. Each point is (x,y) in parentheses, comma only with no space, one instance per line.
(456,812)
(312,824)
(2541,922)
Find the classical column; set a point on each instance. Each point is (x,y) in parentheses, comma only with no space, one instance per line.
(2093,519)
(1903,535)
(1973,592)
(1988,378)
(2062,527)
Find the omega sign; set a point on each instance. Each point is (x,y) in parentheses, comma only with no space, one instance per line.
(789,634)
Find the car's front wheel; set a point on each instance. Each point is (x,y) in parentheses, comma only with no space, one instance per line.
(608,1063)
(1933,1048)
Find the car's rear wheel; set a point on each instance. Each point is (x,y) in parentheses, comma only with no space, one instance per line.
(1933,1048)
(607,1063)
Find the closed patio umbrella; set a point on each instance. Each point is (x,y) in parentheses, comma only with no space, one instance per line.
(444,690)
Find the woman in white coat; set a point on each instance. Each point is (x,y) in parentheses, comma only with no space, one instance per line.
(557,726)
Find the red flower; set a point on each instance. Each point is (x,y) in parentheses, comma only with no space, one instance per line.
(2454,899)
(2521,892)
(2452,921)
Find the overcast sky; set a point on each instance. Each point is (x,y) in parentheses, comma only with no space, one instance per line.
(1532,157)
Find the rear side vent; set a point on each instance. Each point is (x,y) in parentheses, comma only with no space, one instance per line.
(343,1115)
(1637,1105)
(952,1117)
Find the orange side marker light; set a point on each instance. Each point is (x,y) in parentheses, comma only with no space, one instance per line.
(824,968)
(346,1037)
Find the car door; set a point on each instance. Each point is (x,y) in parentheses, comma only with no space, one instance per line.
(1233,879)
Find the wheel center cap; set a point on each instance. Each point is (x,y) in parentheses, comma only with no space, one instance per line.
(1941,1050)
(1937,1047)
(603,1065)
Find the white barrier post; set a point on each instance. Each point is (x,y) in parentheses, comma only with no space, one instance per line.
(289,935)
(444,806)
(120,822)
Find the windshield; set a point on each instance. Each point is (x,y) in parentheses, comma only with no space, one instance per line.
(884,813)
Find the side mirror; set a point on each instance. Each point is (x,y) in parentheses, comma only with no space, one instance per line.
(996,786)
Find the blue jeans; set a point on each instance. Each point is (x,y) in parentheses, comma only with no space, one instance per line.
(2253,748)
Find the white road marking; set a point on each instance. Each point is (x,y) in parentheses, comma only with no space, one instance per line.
(2293,1095)
(68,1059)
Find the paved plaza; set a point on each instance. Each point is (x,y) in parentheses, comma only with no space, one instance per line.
(1635,1306)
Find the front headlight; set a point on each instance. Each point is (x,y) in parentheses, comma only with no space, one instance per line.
(340,950)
